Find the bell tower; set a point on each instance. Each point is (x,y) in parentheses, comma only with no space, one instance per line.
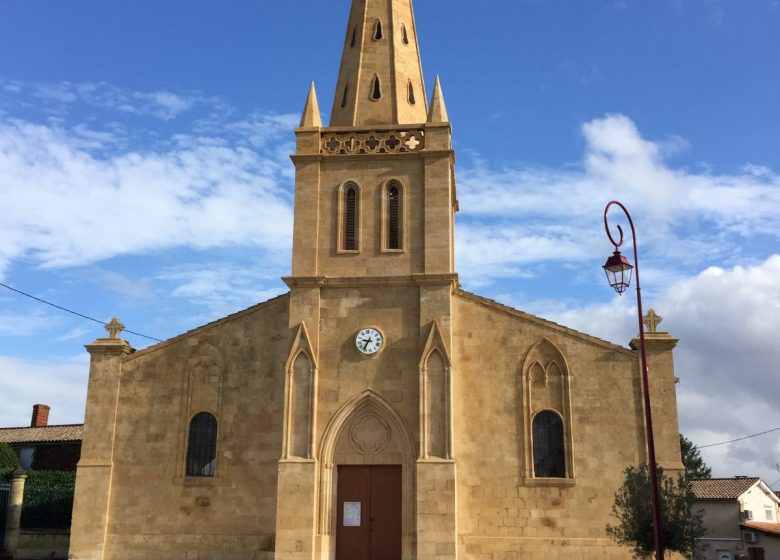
(375,204)
(375,191)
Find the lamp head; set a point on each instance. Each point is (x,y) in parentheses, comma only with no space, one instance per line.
(618,270)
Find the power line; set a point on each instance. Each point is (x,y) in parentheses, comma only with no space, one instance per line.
(739,439)
(72,312)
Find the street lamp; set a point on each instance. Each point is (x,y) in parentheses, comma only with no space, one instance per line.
(618,270)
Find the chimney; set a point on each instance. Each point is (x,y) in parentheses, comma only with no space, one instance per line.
(40,416)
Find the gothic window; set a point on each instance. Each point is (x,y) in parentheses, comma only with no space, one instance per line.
(202,445)
(378,31)
(353,42)
(404,34)
(393,216)
(376,89)
(410,94)
(549,452)
(344,97)
(349,218)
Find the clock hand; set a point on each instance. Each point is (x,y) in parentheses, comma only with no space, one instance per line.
(365,345)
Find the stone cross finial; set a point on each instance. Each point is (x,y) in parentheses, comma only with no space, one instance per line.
(652,320)
(114,328)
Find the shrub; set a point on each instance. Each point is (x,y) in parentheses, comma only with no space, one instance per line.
(48,500)
(8,461)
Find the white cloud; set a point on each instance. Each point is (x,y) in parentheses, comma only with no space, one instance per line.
(223,288)
(163,105)
(60,383)
(66,203)
(727,321)
(14,324)
(530,214)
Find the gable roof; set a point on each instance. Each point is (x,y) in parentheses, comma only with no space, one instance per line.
(538,320)
(763,526)
(722,488)
(44,434)
(207,327)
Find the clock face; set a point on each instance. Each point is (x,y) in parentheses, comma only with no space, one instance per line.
(369,341)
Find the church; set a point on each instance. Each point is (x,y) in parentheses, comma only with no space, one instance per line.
(376,411)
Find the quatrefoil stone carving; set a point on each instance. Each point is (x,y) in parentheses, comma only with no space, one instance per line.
(370,435)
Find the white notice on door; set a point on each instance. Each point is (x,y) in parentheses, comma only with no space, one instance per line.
(351,514)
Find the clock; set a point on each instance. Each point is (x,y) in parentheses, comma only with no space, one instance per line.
(369,341)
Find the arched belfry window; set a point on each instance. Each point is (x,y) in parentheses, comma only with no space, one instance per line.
(410,94)
(404,34)
(349,218)
(548,445)
(393,217)
(202,445)
(378,30)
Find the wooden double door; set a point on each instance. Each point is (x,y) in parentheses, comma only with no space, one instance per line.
(369,513)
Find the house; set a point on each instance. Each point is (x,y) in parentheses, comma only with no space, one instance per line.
(376,410)
(45,447)
(742,519)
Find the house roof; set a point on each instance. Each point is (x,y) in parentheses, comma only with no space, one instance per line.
(722,488)
(44,434)
(764,527)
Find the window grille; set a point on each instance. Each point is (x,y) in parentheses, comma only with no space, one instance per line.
(549,453)
(350,219)
(393,217)
(202,445)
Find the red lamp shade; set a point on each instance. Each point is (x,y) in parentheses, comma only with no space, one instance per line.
(618,271)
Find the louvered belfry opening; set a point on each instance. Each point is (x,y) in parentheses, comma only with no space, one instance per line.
(350,219)
(393,217)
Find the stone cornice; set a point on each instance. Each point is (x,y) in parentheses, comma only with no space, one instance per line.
(110,347)
(372,281)
(306,158)
(656,342)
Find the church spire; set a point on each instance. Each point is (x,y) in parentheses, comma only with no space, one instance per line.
(311,111)
(438,111)
(380,81)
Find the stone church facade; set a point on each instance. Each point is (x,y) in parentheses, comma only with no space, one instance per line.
(376,411)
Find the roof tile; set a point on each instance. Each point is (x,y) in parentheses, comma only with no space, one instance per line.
(44,434)
(722,488)
(763,526)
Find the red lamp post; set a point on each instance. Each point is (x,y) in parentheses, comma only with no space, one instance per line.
(618,270)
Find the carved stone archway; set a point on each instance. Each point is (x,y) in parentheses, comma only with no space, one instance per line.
(365,430)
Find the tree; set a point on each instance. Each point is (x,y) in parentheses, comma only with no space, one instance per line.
(8,461)
(680,525)
(695,467)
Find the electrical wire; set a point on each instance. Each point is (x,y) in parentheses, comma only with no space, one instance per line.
(739,439)
(73,312)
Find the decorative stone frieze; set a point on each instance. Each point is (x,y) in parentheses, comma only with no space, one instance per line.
(373,142)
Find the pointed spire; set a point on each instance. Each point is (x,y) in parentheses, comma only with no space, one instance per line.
(438,111)
(380,81)
(311,112)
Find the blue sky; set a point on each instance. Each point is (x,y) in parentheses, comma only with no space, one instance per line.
(144,173)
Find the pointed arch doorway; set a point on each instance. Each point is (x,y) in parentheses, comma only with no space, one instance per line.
(366,481)
(369,512)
